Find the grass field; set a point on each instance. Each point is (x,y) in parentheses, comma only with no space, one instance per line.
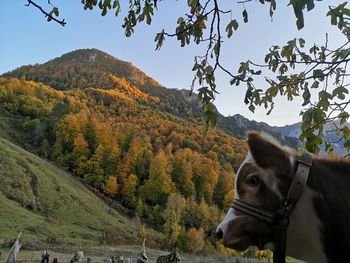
(44,201)
(132,252)
(101,253)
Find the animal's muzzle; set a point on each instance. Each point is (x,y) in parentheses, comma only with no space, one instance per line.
(219,234)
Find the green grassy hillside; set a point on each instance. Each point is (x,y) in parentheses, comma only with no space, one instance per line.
(44,201)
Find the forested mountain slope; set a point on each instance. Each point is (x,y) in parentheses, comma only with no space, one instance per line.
(92,68)
(165,170)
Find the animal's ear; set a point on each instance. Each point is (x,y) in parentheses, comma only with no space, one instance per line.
(266,153)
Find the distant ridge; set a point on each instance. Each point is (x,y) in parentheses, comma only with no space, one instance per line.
(294,130)
(239,125)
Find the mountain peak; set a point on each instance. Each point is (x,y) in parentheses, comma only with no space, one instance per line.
(89,55)
(84,68)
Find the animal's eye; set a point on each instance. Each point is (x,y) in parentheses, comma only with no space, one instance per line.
(253,180)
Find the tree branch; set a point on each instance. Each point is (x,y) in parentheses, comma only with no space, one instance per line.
(244,1)
(199,18)
(61,22)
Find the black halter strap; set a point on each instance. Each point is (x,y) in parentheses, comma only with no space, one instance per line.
(280,218)
(250,210)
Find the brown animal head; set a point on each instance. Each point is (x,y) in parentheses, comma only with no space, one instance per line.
(262,181)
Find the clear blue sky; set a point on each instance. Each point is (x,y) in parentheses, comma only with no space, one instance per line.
(26,38)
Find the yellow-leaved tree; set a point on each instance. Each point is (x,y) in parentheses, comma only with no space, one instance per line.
(172,216)
(159,185)
(195,240)
(111,186)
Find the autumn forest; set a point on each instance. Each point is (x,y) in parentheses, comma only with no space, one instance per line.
(127,138)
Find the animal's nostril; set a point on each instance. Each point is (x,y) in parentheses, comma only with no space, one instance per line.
(219,234)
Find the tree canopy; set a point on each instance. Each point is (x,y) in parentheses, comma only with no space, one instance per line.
(314,71)
(147,160)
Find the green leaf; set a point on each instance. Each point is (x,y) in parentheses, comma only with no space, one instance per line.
(283,68)
(159,39)
(315,84)
(300,22)
(180,20)
(216,48)
(244,67)
(301,42)
(148,19)
(251,108)
(209,115)
(314,50)
(148,12)
(298,6)
(310,4)
(245,16)
(116,3)
(347,145)
(209,69)
(346,132)
(343,116)
(340,92)
(55,11)
(318,73)
(233,25)
(195,66)
(333,18)
(192,4)
(325,95)
(270,110)
(272,7)
(306,96)
(313,142)
(107,4)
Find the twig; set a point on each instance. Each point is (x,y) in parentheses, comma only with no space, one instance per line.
(61,22)
(244,1)
(199,18)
